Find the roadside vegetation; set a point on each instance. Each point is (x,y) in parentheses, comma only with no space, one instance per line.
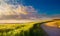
(26,29)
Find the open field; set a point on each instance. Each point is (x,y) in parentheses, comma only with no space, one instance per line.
(30,29)
(25,29)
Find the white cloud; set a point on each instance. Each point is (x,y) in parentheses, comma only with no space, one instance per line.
(9,11)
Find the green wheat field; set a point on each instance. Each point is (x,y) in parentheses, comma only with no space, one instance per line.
(26,29)
(23,29)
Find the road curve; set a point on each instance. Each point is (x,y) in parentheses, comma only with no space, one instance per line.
(51,31)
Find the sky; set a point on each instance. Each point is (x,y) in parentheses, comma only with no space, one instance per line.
(50,7)
(29,9)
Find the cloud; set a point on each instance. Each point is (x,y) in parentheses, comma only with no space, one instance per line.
(11,11)
(56,16)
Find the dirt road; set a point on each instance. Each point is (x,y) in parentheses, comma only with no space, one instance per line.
(51,31)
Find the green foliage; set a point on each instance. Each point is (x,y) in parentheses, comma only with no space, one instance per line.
(36,30)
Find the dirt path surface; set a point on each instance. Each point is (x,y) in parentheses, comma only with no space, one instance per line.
(51,29)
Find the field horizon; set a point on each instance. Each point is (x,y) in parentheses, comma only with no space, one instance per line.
(26,29)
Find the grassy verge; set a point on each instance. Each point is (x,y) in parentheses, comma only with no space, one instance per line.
(27,29)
